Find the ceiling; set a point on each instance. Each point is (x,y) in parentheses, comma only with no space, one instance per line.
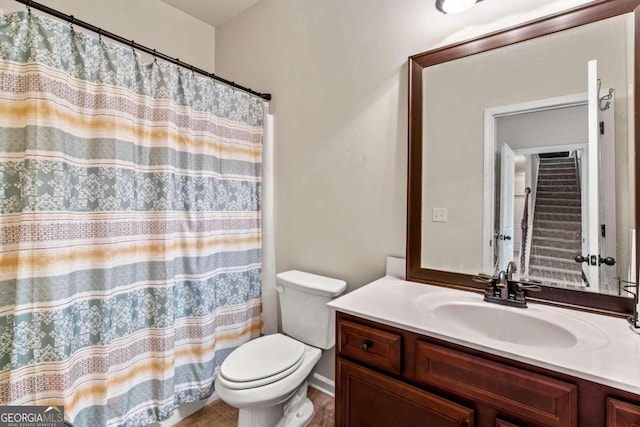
(213,12)
(217,12)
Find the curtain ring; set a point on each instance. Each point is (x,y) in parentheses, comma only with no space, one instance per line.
(155,56)
(100,35)
(71,22)
(192,72)
(133,46)
(29,7)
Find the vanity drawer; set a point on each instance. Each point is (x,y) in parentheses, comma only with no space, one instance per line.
(372,346)
(622,414)
(524,395)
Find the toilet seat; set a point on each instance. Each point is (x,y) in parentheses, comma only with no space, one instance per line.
(261,361)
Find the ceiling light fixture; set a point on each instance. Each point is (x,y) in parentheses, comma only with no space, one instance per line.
(455,6)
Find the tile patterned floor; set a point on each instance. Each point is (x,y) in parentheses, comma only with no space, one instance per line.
(219,414)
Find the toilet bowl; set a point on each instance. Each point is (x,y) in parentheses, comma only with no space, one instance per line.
(262,400)
(266,378)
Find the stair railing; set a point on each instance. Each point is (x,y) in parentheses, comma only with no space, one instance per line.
(576,163)
(535,171)
(524,226)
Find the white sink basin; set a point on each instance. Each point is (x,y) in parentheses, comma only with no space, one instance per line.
(539,327)
(510,326)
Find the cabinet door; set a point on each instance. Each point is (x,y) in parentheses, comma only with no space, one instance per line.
(622,414)
(368,398)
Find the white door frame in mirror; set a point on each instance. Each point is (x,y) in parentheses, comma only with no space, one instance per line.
(507,193)
(608,201)
(490,117)
(593,196)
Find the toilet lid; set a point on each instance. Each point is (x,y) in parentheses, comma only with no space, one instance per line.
(262,358)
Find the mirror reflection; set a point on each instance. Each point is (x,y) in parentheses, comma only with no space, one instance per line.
(526,154)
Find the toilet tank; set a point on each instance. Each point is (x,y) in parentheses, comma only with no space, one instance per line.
(303,306)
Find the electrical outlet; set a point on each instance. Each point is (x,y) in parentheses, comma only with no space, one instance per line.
(439,215)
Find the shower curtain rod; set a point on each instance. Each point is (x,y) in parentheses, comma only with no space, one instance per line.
(73,21)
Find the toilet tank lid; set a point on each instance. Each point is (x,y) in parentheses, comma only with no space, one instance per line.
(312,283)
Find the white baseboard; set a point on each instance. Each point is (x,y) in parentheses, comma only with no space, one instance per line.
(184,410)
(323,384)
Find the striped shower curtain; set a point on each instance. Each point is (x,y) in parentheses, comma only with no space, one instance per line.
(129,226)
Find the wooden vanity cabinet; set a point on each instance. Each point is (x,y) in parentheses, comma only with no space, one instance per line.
(387,376)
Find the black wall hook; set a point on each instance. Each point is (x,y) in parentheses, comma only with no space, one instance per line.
(605,101)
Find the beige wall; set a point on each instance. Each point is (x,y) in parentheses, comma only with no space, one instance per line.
(149,22)
(338,73)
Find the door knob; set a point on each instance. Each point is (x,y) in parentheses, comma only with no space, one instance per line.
(581,259)
(608,260)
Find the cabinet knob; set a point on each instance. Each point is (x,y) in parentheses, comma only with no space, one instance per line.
(364,347)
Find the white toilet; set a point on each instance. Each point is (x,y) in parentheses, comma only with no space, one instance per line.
(266,378)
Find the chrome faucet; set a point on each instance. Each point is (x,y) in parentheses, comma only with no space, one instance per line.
(502,283)
(511,268)
(506,291)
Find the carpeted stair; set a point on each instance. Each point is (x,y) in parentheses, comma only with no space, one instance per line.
(557,227)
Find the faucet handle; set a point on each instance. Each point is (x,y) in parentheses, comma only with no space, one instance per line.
(528,286)
(488,280)
(483,278)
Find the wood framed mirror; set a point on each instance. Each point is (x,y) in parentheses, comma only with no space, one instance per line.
(455,193)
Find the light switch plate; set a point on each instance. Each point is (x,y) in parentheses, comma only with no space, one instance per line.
(439,215)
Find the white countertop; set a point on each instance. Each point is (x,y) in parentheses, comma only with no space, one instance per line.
(612,358)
